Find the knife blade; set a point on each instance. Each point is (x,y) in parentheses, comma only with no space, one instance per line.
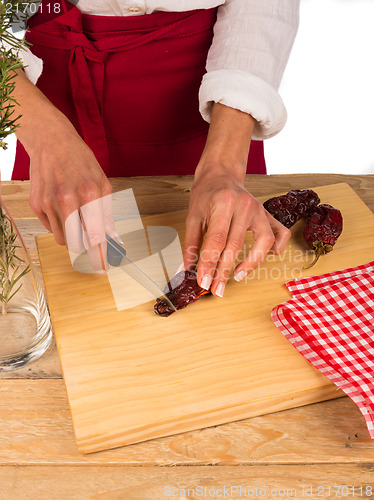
(116,256)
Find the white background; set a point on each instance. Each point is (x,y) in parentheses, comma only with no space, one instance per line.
(328,90)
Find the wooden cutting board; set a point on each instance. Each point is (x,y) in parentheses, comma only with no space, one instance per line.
(132,376)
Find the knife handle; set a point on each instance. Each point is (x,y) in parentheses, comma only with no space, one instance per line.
(115,252)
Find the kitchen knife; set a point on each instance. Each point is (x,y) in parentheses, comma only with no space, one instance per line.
(116,256)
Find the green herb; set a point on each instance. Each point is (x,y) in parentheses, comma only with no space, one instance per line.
(10,263)
(10,12)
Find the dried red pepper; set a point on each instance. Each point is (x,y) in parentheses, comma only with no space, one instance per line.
(182,294)
(293,206)
(322,230)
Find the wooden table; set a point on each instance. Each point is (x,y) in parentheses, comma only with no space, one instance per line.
(319,445)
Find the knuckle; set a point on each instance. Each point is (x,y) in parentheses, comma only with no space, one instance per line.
(269,239)
(107,188)
(226,196)
(209,257)
(46,202)
(231,253)
(287,233)
(35,205)
(89,192)
(247,201)
(218,240)
(236,242)
(229,195)
(63,197)
(209,265)
(191,219)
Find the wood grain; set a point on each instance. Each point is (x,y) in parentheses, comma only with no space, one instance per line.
(129,483)
(171,193)
(36,429)
(218,365)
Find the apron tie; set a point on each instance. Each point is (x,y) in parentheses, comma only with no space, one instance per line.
(87,93)
(79,39)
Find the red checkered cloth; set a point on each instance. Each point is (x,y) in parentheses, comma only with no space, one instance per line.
(330,321)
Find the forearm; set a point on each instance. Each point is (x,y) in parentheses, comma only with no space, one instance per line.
(39,115)
(64,172)
(228,141)
(221,210)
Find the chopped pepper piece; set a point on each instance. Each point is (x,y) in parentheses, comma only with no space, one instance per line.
(182,294)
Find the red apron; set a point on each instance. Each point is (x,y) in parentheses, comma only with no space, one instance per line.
(129,85)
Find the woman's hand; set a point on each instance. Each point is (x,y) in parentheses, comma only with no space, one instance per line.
(68,187)
(222,208)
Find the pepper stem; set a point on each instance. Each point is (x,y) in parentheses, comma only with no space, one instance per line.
(320,249)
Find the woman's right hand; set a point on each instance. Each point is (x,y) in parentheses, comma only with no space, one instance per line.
(68,186)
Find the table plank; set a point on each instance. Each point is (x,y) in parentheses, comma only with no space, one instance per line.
(170,193)
(155,483)
(36,429)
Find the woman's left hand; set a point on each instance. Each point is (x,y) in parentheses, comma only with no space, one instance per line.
(222,208)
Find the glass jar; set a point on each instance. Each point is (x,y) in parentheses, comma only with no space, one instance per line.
(25,325)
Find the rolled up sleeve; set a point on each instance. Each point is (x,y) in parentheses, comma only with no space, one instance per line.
(251,46)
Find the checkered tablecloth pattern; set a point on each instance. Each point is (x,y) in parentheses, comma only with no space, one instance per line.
(330,321)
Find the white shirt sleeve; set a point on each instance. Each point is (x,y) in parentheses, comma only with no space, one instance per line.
(33,65)
(251,46)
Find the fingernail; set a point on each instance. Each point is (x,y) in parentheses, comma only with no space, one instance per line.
(220,289)
(118,237)
(240,276)
(101,272)
(206,282)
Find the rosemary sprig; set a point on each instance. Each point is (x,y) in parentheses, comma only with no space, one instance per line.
(10,262)
(11,11)
(8,121)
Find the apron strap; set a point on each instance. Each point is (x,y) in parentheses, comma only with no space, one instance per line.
(64,31)
(64,6)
